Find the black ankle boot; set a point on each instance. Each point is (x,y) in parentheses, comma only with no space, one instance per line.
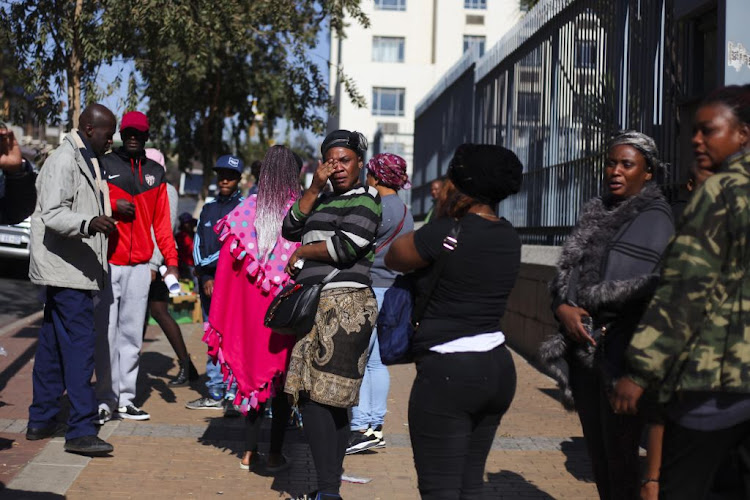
(186,374)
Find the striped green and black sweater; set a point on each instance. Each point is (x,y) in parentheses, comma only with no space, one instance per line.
(348,223)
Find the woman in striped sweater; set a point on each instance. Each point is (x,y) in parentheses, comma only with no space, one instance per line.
(337,230)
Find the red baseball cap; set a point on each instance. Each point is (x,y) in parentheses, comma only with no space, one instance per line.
(136,120)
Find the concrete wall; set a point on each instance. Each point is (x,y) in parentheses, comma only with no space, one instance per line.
(528,318)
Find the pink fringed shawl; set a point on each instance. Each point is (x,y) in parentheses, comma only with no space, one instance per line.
(250,354)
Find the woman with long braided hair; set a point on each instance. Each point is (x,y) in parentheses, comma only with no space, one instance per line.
(249,274)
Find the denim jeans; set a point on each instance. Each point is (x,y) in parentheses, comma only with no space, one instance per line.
(217,388)
(373,395)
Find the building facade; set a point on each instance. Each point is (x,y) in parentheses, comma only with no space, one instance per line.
(402,55)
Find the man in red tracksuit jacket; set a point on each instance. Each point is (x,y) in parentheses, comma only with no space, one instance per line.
(138,194)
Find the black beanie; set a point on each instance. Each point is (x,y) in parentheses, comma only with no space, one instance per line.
(487,173)
(345,139)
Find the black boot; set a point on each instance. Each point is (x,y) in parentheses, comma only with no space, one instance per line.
(186,374)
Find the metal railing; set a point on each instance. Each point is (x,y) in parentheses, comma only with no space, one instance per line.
(553,90)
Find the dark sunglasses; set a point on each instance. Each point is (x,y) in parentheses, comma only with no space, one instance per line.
(131,132)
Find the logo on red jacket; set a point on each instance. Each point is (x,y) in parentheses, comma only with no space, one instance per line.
(150,179)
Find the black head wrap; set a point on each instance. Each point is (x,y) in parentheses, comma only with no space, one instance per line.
(487,173)
(345,139)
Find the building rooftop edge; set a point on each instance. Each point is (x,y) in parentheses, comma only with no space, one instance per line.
(532,22)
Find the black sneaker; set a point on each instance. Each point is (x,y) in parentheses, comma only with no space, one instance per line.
(317,496)
(88,445)
(104,416)
(53,430)
(378,433)
(132,412)
(361,441)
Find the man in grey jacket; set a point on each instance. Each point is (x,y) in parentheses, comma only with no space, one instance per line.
(69,229)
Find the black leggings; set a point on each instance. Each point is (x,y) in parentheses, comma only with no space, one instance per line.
(281,411)
(455,408)
(327,431)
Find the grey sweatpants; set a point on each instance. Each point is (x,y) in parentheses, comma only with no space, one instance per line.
(120,310)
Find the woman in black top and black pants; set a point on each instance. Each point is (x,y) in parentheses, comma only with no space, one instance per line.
(465,375)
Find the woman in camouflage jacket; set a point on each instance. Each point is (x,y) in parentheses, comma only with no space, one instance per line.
(693,342)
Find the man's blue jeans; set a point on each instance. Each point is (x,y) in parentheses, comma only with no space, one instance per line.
(217,388)
(373,395)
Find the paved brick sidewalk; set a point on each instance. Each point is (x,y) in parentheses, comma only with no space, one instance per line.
(538,451)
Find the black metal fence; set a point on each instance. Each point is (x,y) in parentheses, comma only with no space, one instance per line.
(553,90)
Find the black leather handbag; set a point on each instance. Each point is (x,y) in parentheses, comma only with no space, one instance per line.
(292,311)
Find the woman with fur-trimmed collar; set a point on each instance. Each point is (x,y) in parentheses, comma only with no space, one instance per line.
(606,275)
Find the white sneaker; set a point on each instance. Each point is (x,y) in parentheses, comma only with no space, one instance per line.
(133,413)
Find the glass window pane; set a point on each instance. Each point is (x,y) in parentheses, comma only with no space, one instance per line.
(387,49)
(470,40)
(585,53)
(390,4)
(388,101)
(475,4)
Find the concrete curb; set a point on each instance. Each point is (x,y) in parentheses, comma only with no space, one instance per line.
(54,470)
(21,323)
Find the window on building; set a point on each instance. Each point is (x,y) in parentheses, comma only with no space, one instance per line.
(388,101)
(470,40)
(388,49)
(585,54)
(390,4)
(395,148)
(529,106)
(388,127)
(475,4)
(585,108)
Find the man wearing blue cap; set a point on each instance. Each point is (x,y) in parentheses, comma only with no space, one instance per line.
(206,255)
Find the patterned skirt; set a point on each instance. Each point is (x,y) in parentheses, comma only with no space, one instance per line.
(328,363)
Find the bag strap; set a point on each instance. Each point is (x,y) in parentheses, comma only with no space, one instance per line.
(394,234)
(330,276)
(450,242)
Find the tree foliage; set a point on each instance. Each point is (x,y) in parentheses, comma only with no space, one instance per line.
(206,64)
(527,5)
(205,71)
(59,46)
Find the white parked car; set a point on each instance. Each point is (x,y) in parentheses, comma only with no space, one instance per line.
(14,240)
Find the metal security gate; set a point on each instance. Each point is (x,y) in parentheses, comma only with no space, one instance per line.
(553,90)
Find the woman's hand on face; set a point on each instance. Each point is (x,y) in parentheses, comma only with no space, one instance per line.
(323,172)
(570,317)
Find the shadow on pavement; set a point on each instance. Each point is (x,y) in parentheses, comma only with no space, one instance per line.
(152,376)
(577,460)
(228,434)
(10,371)
(24,495)
(6,444)
(507,484)
(554,393)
